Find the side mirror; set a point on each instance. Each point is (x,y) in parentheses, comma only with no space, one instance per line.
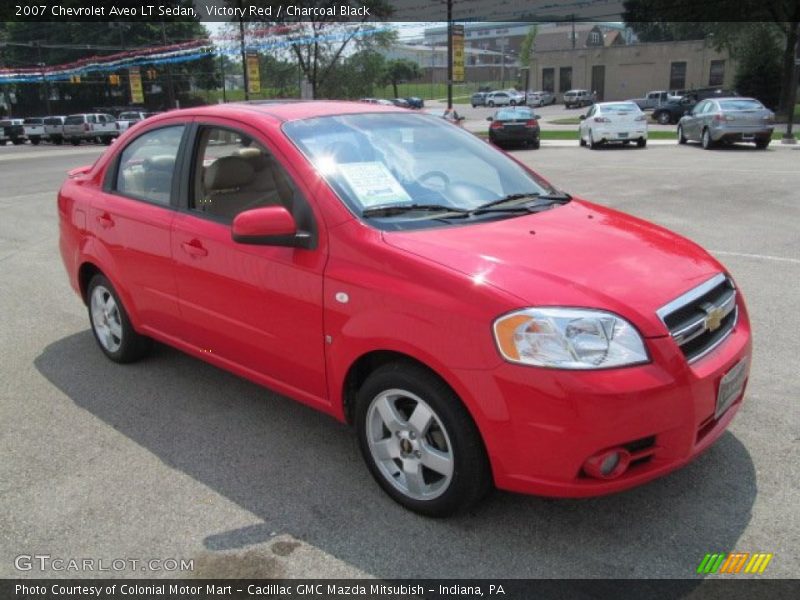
(582,117)
(490,118)
(269,226)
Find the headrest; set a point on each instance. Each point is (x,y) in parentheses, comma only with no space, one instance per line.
(257,159)
(159,163)
(228,172)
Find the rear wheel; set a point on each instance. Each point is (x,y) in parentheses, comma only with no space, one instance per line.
(110,323)
(706,140)
(419,441)
(582,141)
(17,141)
(641,143)
(762,144)
(663,118)
(513,102)
(35,141)
(681,137)
(535,144)
(592,144)
(490,103)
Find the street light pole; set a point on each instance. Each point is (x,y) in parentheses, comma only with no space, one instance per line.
(450,54)
(170,85)
(44,79)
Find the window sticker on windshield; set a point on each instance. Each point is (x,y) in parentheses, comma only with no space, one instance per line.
(373,184)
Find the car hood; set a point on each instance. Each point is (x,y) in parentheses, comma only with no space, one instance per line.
(578,254)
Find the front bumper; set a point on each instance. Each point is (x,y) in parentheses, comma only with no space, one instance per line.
(540,425)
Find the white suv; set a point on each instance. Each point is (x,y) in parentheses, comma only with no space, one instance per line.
(578,98)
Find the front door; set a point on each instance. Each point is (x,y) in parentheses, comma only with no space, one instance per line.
(255,308)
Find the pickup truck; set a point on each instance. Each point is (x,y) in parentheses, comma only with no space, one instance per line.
(128,118)
(90,127)
(54,129)
(34,129)
(12,130)
(654,99)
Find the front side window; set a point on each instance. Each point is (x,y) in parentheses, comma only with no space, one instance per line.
(234,173)
(396,160)
(147,165)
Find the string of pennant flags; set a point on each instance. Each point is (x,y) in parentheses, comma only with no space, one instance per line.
(170,54)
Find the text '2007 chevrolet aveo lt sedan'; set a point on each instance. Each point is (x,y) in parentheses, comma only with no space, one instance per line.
(475,325)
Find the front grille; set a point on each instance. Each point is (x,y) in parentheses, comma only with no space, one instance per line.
(703,317)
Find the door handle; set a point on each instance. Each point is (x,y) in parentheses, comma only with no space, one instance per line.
(105,220)
(194,248)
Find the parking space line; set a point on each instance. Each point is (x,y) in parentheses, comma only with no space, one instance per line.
(795,261)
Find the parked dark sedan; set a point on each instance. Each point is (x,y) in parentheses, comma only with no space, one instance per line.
(516,124)
(671,112)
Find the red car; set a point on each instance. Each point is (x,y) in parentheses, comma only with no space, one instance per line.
(477,326)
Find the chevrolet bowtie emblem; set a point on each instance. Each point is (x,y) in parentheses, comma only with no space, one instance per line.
(714,318)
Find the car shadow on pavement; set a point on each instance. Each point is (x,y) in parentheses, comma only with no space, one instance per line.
(301,474)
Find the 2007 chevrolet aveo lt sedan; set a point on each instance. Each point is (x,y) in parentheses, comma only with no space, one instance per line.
(477,326)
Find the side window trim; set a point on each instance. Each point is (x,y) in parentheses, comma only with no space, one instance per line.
(110,181)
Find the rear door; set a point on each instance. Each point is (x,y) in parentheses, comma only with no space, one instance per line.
(132,221)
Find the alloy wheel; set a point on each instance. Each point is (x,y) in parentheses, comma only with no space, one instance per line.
(106,319)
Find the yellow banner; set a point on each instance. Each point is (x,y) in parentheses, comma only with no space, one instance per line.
(458,53)
(137,92)
(253,74)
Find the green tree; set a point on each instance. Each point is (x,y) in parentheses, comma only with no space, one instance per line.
(758,69)
(526,52)
(319,42)
(400,70)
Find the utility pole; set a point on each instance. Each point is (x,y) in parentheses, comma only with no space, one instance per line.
(44,79)
(450,54)
(788,137)
(245,79)
(170,83)
(222,69)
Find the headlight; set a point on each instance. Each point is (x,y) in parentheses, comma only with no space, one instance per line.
(568,338)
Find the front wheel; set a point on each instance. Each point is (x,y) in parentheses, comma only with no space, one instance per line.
(762,144)
(663,118)
(419,441)
(490,103)
(110,323)
(641,143)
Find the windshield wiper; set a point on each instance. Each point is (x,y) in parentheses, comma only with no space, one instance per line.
(539,200)
(389,210)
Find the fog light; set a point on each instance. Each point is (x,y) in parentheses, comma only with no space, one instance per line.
(608,464)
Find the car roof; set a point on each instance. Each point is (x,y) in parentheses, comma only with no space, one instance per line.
(284,110)
(602,104)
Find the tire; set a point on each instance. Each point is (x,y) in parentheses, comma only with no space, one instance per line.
(111,326)
(592,144)
(706,140)
(75,141)
(35,141)
(664,118)
(641,143)
(58,141)
(536,144)
(17,141)
(762,144)
(490,104)
(512,102)
(391,403)
(681,137)
(581,141)
(107,140)
(474,106)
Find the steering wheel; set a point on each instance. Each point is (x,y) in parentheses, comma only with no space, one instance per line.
(434,175)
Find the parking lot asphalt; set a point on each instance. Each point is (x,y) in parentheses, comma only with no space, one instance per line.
(173,458)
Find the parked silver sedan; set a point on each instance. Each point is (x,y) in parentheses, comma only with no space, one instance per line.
(727,120)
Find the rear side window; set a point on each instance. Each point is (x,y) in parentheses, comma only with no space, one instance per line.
(74,120)
(147,165)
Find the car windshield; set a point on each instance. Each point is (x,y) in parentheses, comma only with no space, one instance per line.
(740,105)
(377,160)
